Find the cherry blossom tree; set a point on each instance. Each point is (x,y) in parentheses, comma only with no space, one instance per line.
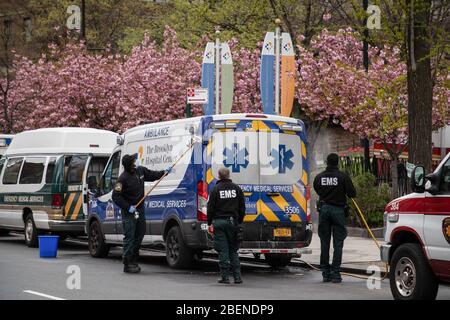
(333,85)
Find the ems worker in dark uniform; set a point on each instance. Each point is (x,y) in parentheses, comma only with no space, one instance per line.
(127,192)
(226,210)
(333,187)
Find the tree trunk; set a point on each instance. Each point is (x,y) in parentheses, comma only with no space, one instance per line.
(420,88)
(394,176)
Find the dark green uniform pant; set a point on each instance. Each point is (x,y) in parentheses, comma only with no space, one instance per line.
(331,221)
(225,244)
(134,231)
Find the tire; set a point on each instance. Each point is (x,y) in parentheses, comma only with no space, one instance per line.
(31,233)
(278,260)
(4,233)
(178,255)
(410,276)
(96,241)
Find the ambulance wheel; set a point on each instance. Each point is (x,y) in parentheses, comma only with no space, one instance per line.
(31,233)
(278,260)
(96,242)
(4,232)
(411,277)
(178,255)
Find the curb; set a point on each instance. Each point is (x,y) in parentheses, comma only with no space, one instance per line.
(357,271)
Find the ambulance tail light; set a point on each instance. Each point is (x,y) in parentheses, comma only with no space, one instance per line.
(56,201)
(308,200)
(202,200)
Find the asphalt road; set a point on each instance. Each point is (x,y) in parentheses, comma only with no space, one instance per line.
(23,275)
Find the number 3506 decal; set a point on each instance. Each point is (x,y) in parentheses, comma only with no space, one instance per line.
(292,210)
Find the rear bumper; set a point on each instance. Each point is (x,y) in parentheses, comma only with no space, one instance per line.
(258,237)
(261,234)
(385,252)
(294,251)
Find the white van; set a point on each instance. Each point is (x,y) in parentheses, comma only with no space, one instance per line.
(266,155)
(44,179)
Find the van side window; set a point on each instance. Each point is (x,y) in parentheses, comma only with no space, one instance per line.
(445,178)
(111,173)
(12,171)
(96,167)
(32,171)
(76,169)
(50,169)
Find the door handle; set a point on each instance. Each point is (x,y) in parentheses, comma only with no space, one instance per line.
(273,194)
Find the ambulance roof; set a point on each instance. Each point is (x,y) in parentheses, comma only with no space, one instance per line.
(63,141)
(220,117)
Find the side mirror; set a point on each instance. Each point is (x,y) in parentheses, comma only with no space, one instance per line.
(433,183)
(418,179)
(92,183)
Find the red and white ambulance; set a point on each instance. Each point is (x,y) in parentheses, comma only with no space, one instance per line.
(418,235)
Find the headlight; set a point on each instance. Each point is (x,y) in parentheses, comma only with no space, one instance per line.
(392,217)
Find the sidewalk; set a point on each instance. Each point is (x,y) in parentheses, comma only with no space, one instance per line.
(358,254)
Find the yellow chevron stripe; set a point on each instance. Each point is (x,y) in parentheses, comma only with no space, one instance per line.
(68,205)
(263,127)
(250,217)
(76,211)
(255,126)
(279,123)
(282,203)
(209,176)
(266,212)
(299,197)
(234,121)
(305,178)
(290,132)
(303,150)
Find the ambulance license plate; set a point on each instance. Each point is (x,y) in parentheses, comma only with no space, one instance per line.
(282,232)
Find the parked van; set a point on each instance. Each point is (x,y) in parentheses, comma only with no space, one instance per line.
(266,155)
(44,178)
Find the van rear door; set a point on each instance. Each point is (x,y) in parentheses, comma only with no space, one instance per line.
(74,175)
(234,144)
(283,181)
(268,160)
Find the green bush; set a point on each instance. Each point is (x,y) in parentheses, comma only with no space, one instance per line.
(371,199)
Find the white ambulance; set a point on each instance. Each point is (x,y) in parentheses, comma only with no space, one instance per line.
(418,235)
(44,177)
(266,155)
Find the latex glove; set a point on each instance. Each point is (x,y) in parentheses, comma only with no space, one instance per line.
(211,229)
(132,209)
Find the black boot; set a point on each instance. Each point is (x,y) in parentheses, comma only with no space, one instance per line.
(128,267)
(224,280)
(134,261)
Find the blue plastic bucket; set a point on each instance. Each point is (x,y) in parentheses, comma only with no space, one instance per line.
(48,246)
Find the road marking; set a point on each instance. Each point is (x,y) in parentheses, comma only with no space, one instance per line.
(42,295)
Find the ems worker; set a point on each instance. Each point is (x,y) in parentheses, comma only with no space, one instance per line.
(127,192)
(226,210)
(333,187)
